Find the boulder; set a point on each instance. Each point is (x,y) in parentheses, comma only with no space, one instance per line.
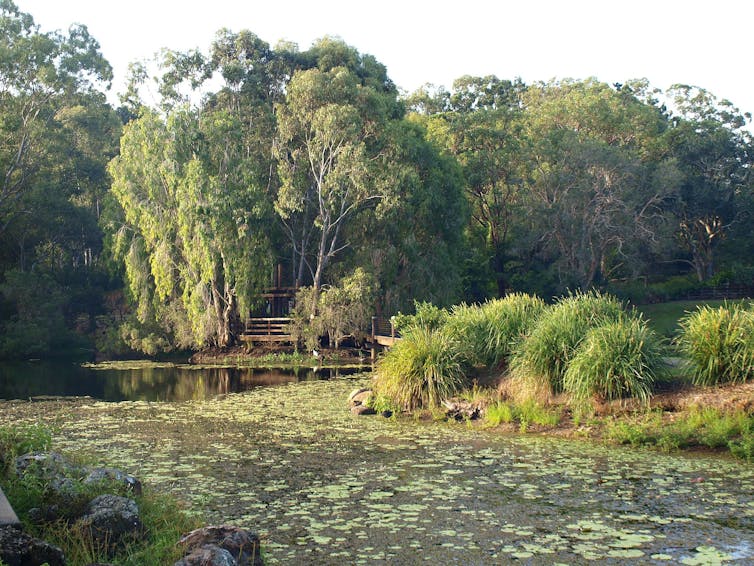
(113,475)
(19,549)
(209,555)
(110,518)
(359,396)
(46,465)
(242,546)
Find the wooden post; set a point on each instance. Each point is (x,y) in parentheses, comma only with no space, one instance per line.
(374,340)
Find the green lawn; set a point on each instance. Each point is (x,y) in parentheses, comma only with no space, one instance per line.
(663,317)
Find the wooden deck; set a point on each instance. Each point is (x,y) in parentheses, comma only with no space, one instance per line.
(383,334)
(266,330)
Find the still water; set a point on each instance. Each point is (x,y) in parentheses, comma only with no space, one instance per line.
(322,486)
(166,382)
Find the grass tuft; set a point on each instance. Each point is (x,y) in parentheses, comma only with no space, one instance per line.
(542,357)
(718,344)
(421,370)
(616,360)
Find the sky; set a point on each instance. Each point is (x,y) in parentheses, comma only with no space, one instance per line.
(695,42)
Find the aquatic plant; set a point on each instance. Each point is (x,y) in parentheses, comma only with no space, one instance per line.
(718,344)
(421,370)
(616,360)
(541,358)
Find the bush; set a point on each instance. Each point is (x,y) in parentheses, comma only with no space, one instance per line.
(718,344)
(421,370)
(426,316)
(489,331)
(542,357)
(616,360)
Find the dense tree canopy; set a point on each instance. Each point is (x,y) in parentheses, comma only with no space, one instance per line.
(254,157)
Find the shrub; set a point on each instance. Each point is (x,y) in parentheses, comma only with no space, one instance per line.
(542,357)
(718,344)
(421,370)
(488,331)
(426,316)
(616,360)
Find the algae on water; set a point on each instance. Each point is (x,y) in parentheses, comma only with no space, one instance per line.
(324,486)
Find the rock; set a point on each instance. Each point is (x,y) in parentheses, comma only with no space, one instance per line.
(359,396)
(242,546)
(460,410)
(209,555)
(110,518)
(114,475)
(361,410)
(19,549)
(46,465)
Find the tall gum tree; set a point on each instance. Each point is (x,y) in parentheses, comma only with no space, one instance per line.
(330,162)
(715,155)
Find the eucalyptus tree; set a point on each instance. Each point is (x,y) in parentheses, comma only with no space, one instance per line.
(715,154)
(480,125)
(330,148)
(40,74)
(597,192)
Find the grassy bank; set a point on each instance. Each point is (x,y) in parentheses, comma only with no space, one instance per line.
(584,366)
(164,519)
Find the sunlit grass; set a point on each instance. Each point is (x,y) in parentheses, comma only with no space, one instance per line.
(718,344)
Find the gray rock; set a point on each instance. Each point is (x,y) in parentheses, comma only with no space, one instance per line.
(110,518)
(19,549)
(242,546)
(46,465)
(359,396)
(113,475)
(209,555)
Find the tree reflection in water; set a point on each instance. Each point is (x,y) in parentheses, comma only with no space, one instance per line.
(147,383)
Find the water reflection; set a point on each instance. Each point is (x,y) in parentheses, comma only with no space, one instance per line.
(23,380)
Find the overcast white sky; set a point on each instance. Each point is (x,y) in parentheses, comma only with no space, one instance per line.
(706,44)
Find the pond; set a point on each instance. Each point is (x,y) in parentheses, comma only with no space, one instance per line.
(140,381)
(323,486)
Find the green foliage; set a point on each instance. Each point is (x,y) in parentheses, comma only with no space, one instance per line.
(17,440)
(421,370)
(164,519)
(490,330)
(542,357)
(718,344)
(705,426)
(499,413)
(426,315)
(526,413)
(616,360)
(339,311)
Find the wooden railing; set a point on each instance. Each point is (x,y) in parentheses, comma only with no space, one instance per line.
(266,330)
(384,332)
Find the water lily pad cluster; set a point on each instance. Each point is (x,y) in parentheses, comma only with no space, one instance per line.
(321,485)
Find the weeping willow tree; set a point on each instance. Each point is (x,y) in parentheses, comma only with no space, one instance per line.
(193,238)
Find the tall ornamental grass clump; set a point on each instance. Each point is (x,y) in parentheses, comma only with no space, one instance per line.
(718,344)
(489,331)
(542,357)
(619,359)
(421,370)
